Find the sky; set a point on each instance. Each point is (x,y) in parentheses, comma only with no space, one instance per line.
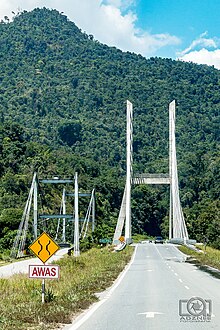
(188,30)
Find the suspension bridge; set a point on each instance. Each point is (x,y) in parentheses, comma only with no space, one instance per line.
(177,226)
(39,222)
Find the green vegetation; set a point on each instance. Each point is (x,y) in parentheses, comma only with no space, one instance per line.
(209,256)
(139,237)
(62,109)
(80,279)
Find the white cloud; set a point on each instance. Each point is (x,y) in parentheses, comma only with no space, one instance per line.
(122,4)
(203,56)
(115,29)
(107,20)
(202,50)
(122,33)
(7,6)
(118,3)
(201,41)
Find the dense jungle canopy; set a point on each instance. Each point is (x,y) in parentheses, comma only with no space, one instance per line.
(62,109)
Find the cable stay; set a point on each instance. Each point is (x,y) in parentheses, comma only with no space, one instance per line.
(87,218)
(20,239)
(61,210)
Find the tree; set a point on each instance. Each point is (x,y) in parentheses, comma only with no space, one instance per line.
(70,132)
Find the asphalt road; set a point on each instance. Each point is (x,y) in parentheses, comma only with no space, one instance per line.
(156,287)
(22,266)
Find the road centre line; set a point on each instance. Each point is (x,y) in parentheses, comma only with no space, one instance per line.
(159,252)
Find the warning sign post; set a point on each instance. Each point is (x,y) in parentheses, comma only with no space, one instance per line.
(44,247)
(44,271)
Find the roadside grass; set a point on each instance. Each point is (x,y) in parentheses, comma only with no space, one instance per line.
(209,256)
(80,278)
(5,257)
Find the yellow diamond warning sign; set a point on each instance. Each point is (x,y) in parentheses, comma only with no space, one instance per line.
(122,239)
(44,247)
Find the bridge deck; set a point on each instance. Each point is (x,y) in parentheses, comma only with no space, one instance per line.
(151,180)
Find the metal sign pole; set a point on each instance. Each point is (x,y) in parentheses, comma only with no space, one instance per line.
(93,210)
(43,291)
(76,229)
(64,212)
(35,205)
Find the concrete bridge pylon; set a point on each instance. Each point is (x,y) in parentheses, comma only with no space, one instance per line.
(177,226)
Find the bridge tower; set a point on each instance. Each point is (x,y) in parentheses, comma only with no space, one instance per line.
(128,173)
(177,226)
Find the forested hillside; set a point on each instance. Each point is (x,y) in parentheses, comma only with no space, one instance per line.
(62,109)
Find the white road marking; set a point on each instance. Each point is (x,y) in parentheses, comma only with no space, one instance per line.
(150,314)
(81,319)
(186,287)
(180,280)
(175,274)
(159,252)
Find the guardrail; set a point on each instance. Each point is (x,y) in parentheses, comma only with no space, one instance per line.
(182,241)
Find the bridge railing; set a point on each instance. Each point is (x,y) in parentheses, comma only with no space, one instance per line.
(149,178)
(150,175)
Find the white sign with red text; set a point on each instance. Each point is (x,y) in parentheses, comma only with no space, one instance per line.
(44,271)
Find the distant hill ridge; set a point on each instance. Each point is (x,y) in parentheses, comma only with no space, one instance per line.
(54,72)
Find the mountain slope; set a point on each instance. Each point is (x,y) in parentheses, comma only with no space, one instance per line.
(67,92)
